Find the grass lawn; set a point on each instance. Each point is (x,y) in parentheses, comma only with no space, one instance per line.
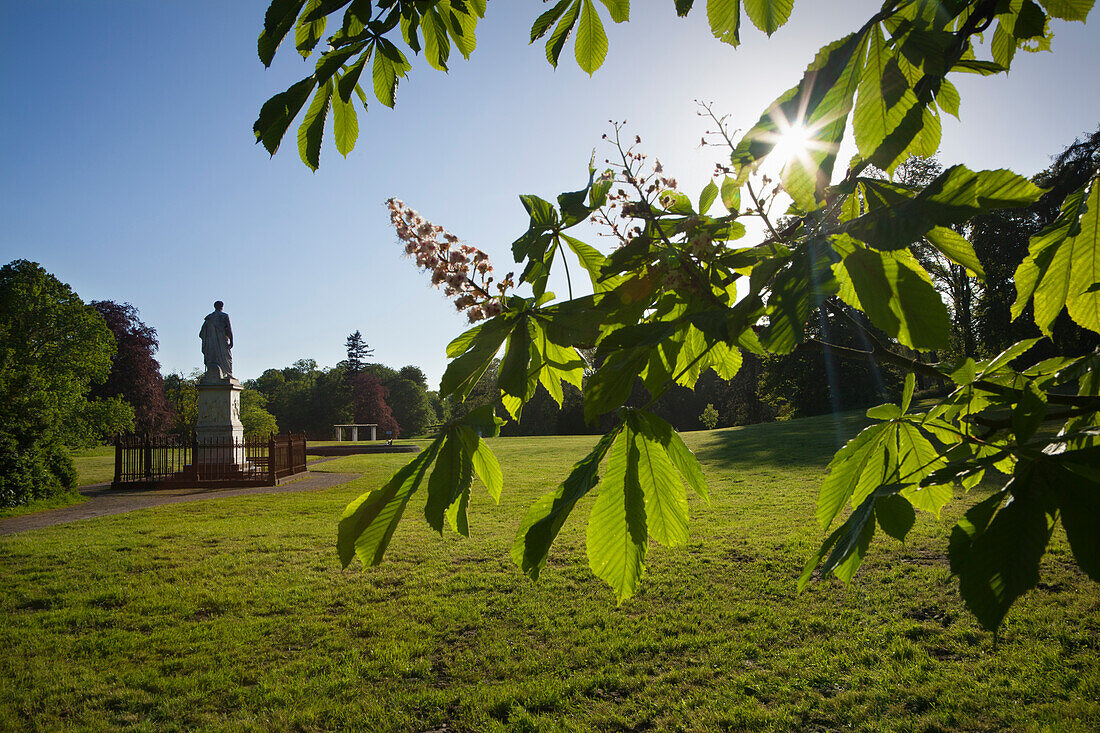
(234,614)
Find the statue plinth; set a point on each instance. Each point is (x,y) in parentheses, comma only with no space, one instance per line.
(218,418)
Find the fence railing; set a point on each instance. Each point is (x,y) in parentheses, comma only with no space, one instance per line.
(173,459)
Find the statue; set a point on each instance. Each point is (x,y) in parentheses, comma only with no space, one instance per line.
(217,340)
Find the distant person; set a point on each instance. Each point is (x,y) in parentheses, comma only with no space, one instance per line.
(217,340)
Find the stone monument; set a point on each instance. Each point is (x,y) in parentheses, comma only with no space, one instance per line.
(219,410)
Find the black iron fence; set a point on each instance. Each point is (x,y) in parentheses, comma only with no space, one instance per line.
(154,460)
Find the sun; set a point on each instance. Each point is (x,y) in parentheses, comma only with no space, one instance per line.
(792,143)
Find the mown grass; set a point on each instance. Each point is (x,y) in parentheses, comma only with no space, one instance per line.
(94,465)
(234,614)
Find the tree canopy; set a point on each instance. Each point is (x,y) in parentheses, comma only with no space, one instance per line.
(135,373)
(53,347)
(681,294)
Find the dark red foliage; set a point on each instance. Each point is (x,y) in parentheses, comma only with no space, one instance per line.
(135,373)
(368,400)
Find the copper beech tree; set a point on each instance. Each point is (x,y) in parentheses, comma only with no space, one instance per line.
(684,292)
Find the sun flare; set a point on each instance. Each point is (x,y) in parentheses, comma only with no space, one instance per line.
(793,143)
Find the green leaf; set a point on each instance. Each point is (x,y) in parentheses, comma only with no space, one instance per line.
(465,370)
(1079,501)
(513,377)
(996,551)
(617,537)
(312,129)
(769,15)
(546,516)
(557,39)
(462,342)
(881,88)
(368,522)
(611,384)
(485,464)
(948,98)
(953,197)
(345,125)
(308,33)
(332,61)
(350,80)
(1068,9)
(683,7)
(859,465)
(724,17)
(278,112)
(707,197)
(1063,262)
(278,20)
(544,21)
(591,47)
(1083,300)
(685,461)
(437,46)
(1006,357)
(895,515)
(731,195)
(796,291)
(390,65)
(898,296)
(820,103)
(888,411)
(907,393)
(965,374)
(1029,412)
(450,479)
(593,262)
(462,28)
(956,248)
(666,508)
(852,542)
(620,9)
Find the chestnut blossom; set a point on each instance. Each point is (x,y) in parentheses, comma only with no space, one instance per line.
(463,270)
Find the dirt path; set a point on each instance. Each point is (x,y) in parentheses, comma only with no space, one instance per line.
(102,501)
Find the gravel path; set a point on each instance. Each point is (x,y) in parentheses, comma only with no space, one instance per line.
(102,501)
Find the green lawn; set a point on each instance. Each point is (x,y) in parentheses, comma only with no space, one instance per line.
(94,465)
(234,614)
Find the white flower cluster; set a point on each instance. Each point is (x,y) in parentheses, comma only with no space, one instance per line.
(463,271)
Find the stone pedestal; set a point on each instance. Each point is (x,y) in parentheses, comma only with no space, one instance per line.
(218,420)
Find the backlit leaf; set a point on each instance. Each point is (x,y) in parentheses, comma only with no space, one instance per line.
(369,521)
(995,550)
(768,15)
(345,125)
(617,535)
(1063,262)
(897,295)
(557,39)
(591,47)
(546,516)
(312,128)
(724,17)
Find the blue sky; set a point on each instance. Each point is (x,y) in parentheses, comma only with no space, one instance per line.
(128,168)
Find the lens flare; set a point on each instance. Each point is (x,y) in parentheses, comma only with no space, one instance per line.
(792,144)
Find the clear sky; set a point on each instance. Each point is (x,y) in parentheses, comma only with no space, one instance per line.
(128,167)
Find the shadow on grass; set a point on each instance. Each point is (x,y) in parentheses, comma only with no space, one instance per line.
(809,441)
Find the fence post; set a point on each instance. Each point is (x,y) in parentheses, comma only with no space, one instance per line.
(195,454)
(146,457)
(118,458)
(272,469)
